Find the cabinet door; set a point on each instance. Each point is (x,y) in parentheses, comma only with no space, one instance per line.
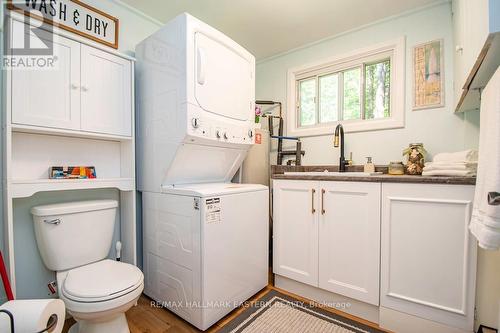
(47,97)
(428,255)
(295,230)
(106,93)
(349,239)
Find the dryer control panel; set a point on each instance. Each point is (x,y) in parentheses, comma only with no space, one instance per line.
(221,130)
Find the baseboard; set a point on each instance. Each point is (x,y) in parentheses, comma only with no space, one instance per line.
(404,323)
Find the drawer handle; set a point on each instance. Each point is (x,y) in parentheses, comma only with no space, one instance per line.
(493,198)
(54,221)
(323,211)
(312,201)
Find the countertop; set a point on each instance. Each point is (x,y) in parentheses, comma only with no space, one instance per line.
(277,172)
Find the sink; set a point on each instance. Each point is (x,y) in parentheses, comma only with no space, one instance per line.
(333,174)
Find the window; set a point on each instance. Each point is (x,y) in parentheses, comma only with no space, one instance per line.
(363,91)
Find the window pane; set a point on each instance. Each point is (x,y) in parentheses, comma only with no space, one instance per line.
(307,107)
(377,89)
(352,81)
(328,98)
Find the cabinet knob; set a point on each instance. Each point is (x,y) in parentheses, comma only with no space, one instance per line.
(74,86)
(84,88)
(459,48)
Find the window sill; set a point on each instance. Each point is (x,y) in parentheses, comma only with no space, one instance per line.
(351,126)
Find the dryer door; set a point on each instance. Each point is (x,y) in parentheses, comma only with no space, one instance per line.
(224,78)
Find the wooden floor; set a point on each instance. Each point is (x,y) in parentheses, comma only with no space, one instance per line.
(144,318)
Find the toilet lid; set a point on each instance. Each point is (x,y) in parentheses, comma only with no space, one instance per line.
(102,280)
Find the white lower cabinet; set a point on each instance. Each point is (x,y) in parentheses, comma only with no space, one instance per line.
(295,230)
(403,247)
(327,235)
(349,239)
(428,261)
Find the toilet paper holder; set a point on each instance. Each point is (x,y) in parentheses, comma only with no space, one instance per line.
(51,323)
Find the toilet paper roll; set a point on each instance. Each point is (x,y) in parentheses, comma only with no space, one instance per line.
(33,315)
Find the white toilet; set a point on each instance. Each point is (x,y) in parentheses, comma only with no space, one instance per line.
(74,239)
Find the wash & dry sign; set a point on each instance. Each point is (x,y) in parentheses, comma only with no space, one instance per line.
(72,15)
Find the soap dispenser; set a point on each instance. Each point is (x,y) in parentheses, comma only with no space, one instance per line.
(369,166)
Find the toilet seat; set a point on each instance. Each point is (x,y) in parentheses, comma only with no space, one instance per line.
(101,281)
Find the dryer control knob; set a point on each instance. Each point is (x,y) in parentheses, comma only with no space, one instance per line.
(195,122)
(250,133)
(225,136)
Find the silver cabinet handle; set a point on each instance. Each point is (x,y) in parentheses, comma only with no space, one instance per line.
(54,221)
(493,198)
(312,201)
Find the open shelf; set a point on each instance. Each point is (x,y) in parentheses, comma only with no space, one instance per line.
(67,133)
(26,188)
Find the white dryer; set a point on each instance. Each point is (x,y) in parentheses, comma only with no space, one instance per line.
(205,238)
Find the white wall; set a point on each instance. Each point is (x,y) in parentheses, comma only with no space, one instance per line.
(134,25)
(439,129)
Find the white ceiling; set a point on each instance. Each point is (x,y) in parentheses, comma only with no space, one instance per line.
(269,27)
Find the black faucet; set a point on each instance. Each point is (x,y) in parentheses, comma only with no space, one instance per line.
(342,162)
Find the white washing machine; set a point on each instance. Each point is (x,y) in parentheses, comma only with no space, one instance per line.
(205,238)
(205,248)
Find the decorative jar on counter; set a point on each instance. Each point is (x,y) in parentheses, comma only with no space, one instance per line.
(416,158)
(396,168)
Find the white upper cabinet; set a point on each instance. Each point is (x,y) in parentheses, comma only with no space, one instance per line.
(88,90)
(47,97)
(476,33)
(295,230)
(428,254)
(106,86)
(349,239)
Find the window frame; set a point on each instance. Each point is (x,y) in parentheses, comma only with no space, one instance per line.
(393,50)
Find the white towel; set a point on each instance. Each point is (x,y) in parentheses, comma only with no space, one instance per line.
(450,166)
(485,222)
(459,156)
(446,172)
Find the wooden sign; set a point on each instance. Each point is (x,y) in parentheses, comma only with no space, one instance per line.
(73,16)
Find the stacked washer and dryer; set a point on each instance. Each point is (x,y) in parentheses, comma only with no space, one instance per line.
(205,239)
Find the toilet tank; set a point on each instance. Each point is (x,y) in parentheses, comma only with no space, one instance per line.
(73,234)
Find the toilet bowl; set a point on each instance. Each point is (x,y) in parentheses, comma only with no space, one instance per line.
(74,239)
